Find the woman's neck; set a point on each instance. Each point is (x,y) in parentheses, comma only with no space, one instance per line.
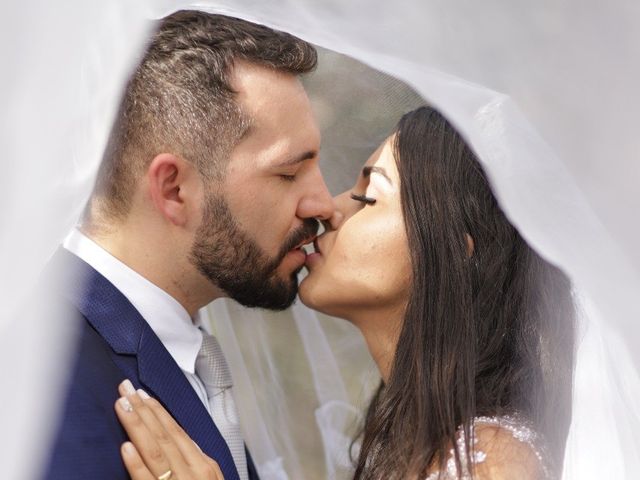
(381,330)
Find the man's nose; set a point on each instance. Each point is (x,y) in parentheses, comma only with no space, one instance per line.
(317,202)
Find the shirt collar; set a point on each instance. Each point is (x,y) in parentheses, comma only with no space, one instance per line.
(170,321)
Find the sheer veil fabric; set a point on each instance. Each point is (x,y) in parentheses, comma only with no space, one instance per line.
(545,94)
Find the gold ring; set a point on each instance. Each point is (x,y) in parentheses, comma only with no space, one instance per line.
(166,475)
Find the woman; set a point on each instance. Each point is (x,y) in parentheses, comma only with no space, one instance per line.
(471,330)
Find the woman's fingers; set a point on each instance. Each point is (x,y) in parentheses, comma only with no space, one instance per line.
(159,444)
(126,388)
(215,468)
(134,464)
(198,465)
(154,448)
(188,448)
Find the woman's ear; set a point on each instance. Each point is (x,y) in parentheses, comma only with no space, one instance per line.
(166,176)
(470,245)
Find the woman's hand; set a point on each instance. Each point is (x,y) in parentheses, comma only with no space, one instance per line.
(159,447)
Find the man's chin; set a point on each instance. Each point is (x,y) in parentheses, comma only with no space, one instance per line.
(284,292)
(275,293)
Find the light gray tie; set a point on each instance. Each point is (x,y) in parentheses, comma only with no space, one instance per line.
(212,369)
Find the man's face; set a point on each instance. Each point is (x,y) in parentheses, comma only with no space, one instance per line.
(255,221)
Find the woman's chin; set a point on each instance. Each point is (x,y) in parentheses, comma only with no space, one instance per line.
(306,293)
(328,295)
(313,295)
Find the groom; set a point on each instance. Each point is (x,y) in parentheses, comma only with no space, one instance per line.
(208,187)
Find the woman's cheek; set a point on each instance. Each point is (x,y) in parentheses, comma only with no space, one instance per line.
(395,260)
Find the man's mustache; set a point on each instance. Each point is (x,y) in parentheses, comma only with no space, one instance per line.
(307,230)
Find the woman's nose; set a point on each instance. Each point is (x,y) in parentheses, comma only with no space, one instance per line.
(339,212)
(334,222)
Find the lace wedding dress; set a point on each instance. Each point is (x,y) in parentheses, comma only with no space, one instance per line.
(513,438)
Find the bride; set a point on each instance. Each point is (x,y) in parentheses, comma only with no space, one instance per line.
(471,330)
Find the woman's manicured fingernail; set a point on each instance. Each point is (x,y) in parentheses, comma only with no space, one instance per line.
(144,395)
(125,404)
(128,387)
(128,448)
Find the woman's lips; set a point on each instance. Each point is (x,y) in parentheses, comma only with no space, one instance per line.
(314,256)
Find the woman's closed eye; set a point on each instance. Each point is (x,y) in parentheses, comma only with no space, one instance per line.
(363,198)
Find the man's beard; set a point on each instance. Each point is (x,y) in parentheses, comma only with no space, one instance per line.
(234,262)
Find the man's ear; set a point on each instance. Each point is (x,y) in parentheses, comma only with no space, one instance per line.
(166,176)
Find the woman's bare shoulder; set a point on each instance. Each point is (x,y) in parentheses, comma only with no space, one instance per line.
(507,449)
(502,448)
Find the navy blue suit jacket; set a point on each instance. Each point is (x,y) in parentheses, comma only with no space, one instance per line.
(116,343)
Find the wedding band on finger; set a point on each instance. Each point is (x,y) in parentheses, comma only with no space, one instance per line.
(166,475)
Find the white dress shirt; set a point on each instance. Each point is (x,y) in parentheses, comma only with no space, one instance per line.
(178,332)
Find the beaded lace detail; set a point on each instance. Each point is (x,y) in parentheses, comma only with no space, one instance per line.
(515,426)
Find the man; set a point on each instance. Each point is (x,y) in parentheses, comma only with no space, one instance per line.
(208,188)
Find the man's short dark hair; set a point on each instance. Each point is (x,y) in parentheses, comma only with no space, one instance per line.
(179,99)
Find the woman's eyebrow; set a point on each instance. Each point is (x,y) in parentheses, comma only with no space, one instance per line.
(366,172)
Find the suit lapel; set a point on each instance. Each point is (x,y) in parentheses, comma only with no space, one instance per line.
(128,334)
(162,378)
(251,468)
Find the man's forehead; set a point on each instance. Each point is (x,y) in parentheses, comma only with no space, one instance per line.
(258,87)
(281,124)
(266,147)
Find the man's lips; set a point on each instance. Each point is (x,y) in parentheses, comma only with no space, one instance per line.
(314,254)
(306,241)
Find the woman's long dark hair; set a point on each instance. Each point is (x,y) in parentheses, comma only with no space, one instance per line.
(485,334)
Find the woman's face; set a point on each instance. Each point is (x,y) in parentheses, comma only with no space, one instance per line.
(362,265)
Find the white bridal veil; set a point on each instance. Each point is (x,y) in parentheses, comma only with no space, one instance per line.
(545,92)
